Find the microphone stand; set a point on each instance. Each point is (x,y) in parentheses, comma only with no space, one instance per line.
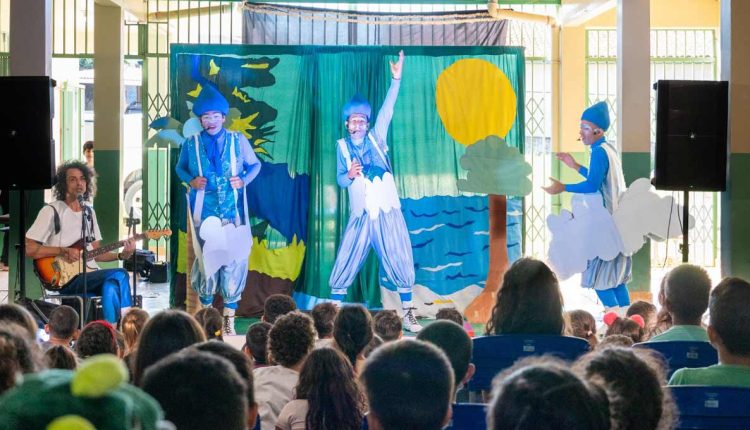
(131,224)
(85,214)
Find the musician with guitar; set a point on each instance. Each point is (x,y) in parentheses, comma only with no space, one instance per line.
(56,231)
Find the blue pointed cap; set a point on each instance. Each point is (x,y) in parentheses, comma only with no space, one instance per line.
(210,98)
(597,114)
(357,104)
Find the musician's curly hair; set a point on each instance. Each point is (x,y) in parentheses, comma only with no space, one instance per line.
(61,178)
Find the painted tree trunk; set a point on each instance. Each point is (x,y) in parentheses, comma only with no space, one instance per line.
(480,309)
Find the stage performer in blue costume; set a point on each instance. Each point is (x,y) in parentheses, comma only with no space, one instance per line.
(218,164)
(604,176)
(375,218)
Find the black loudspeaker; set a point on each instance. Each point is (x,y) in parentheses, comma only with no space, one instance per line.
(28,157)
(691,135)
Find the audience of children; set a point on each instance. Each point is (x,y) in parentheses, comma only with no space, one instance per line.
(366,371)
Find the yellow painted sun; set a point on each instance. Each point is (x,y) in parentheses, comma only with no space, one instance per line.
(475,100)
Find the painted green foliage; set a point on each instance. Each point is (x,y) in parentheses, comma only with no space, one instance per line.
(494,167)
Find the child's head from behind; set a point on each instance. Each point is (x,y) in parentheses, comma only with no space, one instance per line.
(451,314)
(388,325)
(328,383)
(256,342)
(686,291)
(323,314)
(646,310)
(453,340)
(97,337)
(729,327)
(409,384)
(212,322)
(291,338)
(61,357)
(583,325)
(132,326)
(529,301)
(63,323)
(633,379)
(277,305)
(631,327)
(216,392)
(542,393)
(352,331)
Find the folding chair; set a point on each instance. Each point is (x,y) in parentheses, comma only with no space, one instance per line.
(701,407)
(679,354)
(492,354)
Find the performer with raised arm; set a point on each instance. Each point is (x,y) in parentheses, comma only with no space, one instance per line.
(58,227)
(604,176)
(375,218)
(218,164)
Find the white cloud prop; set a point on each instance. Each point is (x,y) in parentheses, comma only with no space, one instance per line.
(223,244)
(590,231)
(571,246)
(644,214)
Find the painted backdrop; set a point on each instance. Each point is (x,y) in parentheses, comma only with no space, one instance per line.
(457,125)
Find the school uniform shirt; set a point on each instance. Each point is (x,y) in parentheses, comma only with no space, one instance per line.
(726,375)
(693,333)
(274,388)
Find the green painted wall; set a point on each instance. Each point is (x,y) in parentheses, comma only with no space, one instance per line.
(735,218)
(107,201)
(637,165)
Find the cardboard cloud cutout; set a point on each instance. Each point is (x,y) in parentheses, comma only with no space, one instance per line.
(590,231)
(223,244)
(495,168)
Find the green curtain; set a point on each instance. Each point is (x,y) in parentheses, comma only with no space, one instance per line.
(312,83)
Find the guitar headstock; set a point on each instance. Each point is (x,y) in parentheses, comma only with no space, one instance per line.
(156,234)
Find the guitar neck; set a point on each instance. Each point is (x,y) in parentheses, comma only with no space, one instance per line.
(91,254)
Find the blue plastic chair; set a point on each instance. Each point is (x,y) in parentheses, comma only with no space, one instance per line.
(492,354)
(725,408)
(679,354)
(468,416)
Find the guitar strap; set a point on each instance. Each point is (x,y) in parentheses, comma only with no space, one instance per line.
(55,219)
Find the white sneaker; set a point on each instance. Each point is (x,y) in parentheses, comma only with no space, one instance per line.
(410,321)
(229,322)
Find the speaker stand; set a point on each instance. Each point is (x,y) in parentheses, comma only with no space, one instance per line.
(685,247)
(21,244)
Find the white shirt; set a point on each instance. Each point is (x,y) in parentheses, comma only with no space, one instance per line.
(274,388)
(293,416)
(43,229)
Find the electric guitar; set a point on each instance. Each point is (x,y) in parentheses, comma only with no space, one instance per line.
(55,272)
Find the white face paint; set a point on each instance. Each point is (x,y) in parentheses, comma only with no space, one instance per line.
(357,126)
(589,132)
(212,121)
